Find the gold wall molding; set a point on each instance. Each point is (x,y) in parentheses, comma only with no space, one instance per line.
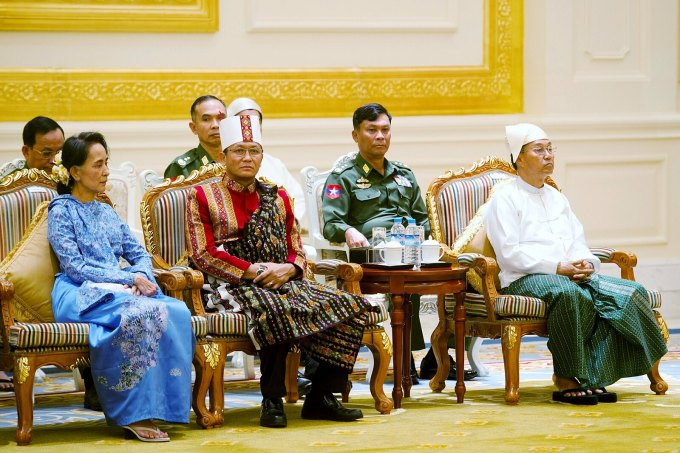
(496,86)
(169,16)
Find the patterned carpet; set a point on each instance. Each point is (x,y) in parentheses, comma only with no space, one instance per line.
(427,420)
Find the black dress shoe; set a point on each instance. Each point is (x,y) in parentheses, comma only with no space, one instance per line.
(304,385)
(91,400)
(428,368)
(414,373)
(328,407)
(271,413)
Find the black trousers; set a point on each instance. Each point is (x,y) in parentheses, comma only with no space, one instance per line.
(326,379)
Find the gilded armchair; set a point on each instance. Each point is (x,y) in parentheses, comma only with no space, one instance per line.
(456,203)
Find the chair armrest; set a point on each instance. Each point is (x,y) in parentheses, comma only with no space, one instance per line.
(183,284)
(6,295)
(349,273)
(487,269)
(624,259)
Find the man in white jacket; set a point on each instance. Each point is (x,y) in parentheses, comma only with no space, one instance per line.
(600,328)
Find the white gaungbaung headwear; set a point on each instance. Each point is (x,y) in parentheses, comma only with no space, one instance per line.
(519,135)
(240,104)
(243,128)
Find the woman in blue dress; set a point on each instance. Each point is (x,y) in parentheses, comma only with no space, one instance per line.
(141,342)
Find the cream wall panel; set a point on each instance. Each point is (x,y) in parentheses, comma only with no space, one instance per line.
(634,213)
(352,15)
(234,46)
(639,73)
(616,48)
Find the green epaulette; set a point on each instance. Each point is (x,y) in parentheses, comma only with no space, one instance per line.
(344,166)
(186,158)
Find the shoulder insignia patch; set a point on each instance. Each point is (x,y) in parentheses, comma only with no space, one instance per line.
(333,191)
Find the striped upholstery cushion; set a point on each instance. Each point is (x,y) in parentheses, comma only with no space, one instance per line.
(603,254)
(16,211)
(474,305)
(524,306)
(376,318)
(227,323)
(654,298)
(36,335)
(509,306)
(459,200)
(53,334)
(199,325)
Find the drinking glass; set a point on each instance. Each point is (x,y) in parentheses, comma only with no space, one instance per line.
(378,240)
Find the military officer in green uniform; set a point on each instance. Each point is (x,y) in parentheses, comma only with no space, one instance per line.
(370,191)
(206,113)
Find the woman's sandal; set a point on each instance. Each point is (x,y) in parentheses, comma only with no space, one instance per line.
(6,384)
(134,431)
(603,396)
(585,400)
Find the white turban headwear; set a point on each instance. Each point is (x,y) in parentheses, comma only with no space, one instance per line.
(241,104)
(519,135)
(237,129)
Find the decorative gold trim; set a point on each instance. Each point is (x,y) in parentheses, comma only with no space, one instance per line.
(387,343)
(21,369)
(149,229)
(509,336)
(168,16)
(663,326)
(494,87)
(212,354)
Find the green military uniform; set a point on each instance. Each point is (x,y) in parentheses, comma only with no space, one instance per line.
(188,162)
(356,195)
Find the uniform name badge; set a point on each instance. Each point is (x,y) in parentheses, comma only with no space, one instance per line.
(402,181)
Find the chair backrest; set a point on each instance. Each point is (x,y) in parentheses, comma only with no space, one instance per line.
(454,198)
(31,267)
(20,195)
(149,179)
(163,211)
(10,167)
(313,184)
(121,188)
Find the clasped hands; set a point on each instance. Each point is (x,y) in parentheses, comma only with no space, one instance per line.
(577,271)
(142,286)
(272,275)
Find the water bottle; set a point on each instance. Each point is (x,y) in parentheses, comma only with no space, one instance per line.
(412,244)
(398,232)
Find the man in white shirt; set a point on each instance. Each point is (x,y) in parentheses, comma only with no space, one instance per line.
(600,328)
(272,168)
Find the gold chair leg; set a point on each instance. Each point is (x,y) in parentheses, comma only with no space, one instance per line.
(380,346)
(657,384)
(24,374)
(209,360)
(510,344)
